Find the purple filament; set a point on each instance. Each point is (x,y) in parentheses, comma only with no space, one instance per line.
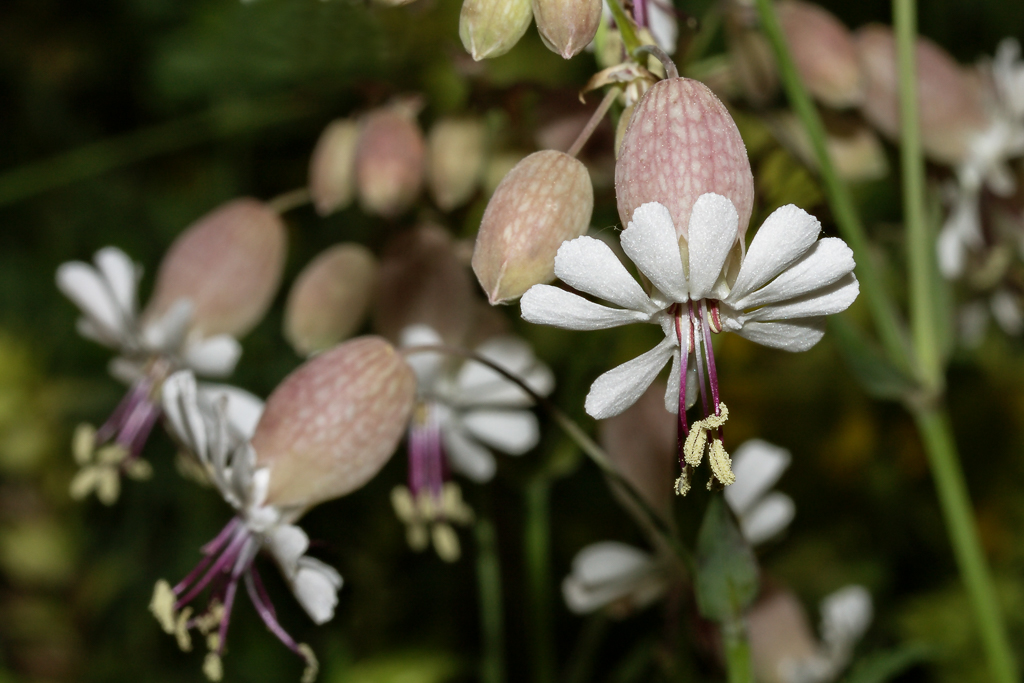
(258,595)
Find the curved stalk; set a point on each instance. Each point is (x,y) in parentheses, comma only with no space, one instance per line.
(592,124)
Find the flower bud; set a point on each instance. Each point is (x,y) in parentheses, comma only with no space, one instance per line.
(546,199)
(950,104)
(682,143)
(779,634)
(751,57)
(490,28)
(331,425)
(227,264)
(333,165)
(567,26)
(455,158)
(330,297)
(422,282)
(824,53)
(641,443)
(389,161)
(856,151)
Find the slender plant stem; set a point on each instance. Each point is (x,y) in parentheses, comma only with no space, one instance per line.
(933,424)
(537,547)
(625,25)
(920,248)
(580,667)
(599,113)
(100,157)
(670,67)
(293,199)
(737,652)
(882,308)
(492,617)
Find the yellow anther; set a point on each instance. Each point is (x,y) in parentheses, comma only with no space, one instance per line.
(721,464)
(108,485)
(83,443)
(312,665)
(453,508)
(213,642)
(83,482)
(417,536)
(696,440)
(683,483)
(446,542)
(402,502)
(138,469)
(181,630)
(162,606)
(212,667)
(211,619)
(112,454)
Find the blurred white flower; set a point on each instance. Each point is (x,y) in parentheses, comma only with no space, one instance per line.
(762,513)
(616,576)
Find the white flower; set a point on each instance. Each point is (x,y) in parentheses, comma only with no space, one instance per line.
(762,514)
(985,165)
(614,575)
(464,409)
(106,295)
(222,448)
(776,295)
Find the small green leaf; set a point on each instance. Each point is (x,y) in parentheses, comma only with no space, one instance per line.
(876,373)
(879,667)
(727,574)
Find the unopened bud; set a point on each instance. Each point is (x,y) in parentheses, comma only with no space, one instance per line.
(753,63)
(824,53)
(423,282)
(780,636)
(332,168)
(490,28)
(567,26)
(330,298)
(331,425)
(455,158)
(682,143)
(856,151)
(546,199)
(228,264)
(389,162)
(950,103)
(498,166)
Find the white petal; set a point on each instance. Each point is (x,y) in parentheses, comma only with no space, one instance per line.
(167,333)
(180,405)
(757,465)
(213,356)
(620,387)
(287,543)
(835,298)
(479,384)
(122,276)
(547,305)
(606,572)
(426,366)
(825,262)
(316,587)
(608,561)
(126,370)
(794,336)
(651,243)
(845,616)
(712,232)
(589,265)
(466,455)
(768,517)
(243,409)
(84,286)
(1006,311)
(672,388)
(783,238)
(661,20)
(171,393)
(510,431)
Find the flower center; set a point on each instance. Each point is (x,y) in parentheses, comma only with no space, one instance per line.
(694,323)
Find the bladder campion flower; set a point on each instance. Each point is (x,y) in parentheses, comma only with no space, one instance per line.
(214,285)
(776,295)
(326,430)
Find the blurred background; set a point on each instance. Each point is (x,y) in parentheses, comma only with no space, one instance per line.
(122,121)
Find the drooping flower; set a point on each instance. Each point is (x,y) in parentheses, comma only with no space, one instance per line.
(783,648)
(617,577)
(463,410)
(761,513)
(776,295)
(326,430)
(214,285)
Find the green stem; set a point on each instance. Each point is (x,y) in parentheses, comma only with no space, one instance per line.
(933,424)
(581,663)
(117,152)
(882,308)
(625,25)
(737,652)
(920,248)
(537,541)
(492,618)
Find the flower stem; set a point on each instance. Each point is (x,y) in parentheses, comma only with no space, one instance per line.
(492,618)
(670,67)
(933,424)
(588,130)
(537,546)
(882,308)
(625,25)
(293,199)
(920,247)
(737,652)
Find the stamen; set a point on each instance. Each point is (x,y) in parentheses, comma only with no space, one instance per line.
(712,371)
(258,595)
(699,357)
(684,357)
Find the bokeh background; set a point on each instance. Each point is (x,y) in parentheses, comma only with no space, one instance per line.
(122,121)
